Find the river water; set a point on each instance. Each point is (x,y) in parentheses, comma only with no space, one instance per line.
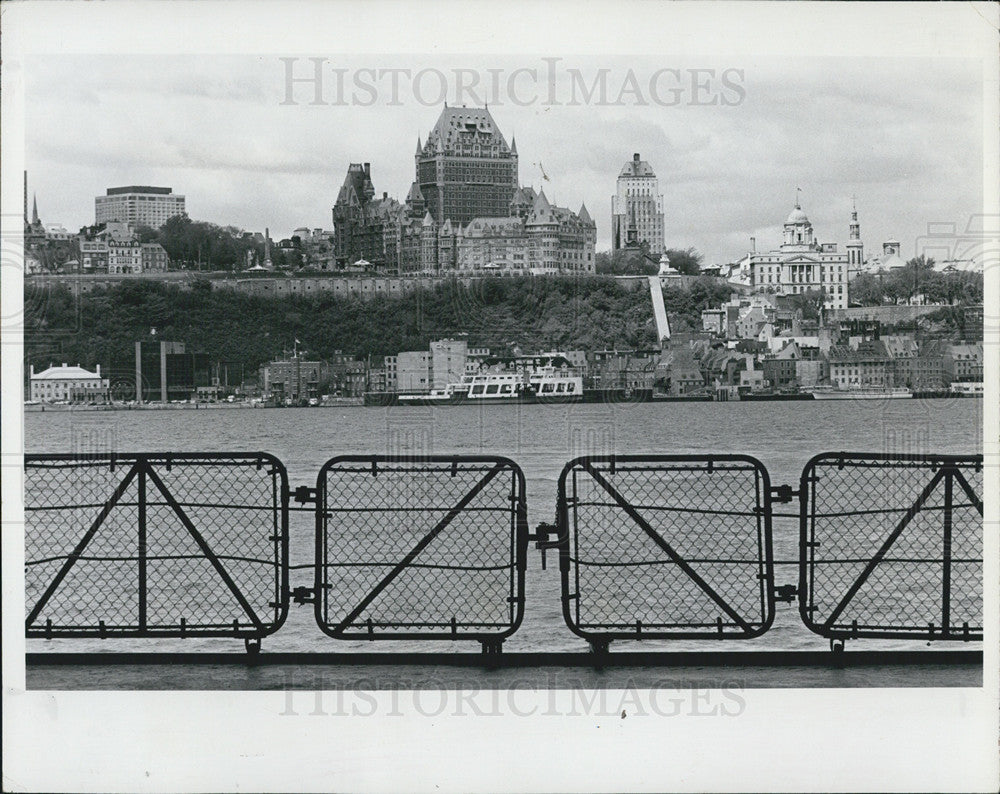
(541,439)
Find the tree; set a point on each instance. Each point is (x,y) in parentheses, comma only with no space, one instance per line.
(809,302)
(687,260)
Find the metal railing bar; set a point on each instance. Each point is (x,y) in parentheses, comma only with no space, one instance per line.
(754,561)
(891,510)
(389,563)
(154,558)
(667,509)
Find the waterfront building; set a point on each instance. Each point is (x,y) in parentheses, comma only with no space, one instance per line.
(637,208)
(166,371)
(916,365)
(867,365)
(140,205)
(802,264)
(293,379)
(448,359)
(964,363)
(412,371)
(67,384)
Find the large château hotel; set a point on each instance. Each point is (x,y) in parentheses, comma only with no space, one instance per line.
(464,211)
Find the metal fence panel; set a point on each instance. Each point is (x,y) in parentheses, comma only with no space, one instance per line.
(892,546)
(155,545)
(666,546)
(420,547)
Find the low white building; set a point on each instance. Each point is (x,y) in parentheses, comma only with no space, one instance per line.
(68,384)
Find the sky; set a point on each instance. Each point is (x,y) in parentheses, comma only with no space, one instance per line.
(902,135)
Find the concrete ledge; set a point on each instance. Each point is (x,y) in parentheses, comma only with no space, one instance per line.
(376,671)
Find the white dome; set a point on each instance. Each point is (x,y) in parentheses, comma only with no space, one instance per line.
(797,216)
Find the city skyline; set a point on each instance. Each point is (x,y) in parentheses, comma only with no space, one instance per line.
(728,172)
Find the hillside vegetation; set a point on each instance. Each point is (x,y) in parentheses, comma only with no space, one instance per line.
(532,314)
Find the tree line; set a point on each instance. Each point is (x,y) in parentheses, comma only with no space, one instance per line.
(515,314)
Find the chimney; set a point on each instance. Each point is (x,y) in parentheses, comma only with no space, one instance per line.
(753,245)
(368,169)
(635,157)
(31,370)
(384,195)
(98,370)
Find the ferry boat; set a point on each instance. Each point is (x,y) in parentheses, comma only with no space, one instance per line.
(499,388)
(966,389)
(860,393)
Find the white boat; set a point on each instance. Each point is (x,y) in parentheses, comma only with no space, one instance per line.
(966,389)
(861,393)
(502,388)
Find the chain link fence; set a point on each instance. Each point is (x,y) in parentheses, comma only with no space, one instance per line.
(420,547)
(892,546)
(169,545)
(662,547)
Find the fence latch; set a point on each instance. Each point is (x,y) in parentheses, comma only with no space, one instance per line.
(785,592)
(305,495)
(782,494)
(541,538)
(304,595)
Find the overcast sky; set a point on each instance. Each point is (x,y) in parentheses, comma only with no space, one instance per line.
(904,135)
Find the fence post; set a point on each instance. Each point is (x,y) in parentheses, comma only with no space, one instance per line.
(946,555)
(142,545)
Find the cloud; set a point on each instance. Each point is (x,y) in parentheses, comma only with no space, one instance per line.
(904,135)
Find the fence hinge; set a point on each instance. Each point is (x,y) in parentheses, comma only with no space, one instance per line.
(783,494)
(305,495)
(304,595)
(785,592)
(541,538)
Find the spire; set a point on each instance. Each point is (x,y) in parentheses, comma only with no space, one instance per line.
(34,209)
(513,144)
(584,215)
(855,226)
(419,147)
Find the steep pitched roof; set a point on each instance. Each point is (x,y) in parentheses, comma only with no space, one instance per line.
(457,124)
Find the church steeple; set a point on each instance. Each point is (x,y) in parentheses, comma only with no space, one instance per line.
(855,248)
(34,209)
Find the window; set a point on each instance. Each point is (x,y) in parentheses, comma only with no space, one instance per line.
(492,388)
(477,389)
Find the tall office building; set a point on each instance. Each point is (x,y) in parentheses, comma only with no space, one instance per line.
(138,205)
(465,169)
(637,208)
